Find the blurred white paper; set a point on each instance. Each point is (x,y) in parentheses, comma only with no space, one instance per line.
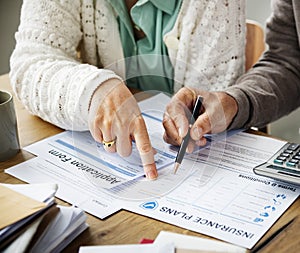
(130,248)
(189,242)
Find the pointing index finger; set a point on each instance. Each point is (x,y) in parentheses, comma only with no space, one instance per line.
(144,147)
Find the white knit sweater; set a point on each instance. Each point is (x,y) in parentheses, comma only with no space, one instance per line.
(206,47)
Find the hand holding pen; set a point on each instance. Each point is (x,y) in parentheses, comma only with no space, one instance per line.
(218,112)
(185,141)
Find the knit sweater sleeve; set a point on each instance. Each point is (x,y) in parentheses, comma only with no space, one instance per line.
(272,88)
(46,72)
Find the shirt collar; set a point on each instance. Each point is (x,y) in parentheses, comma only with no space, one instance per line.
(167,6)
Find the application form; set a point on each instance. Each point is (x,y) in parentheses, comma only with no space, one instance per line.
(78,150)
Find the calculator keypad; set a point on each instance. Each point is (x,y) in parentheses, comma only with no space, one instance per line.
(288,156)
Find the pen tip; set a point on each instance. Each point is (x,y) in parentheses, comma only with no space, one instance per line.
(176,166)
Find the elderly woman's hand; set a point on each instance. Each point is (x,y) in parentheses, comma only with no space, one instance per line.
(115,119)
(217,113)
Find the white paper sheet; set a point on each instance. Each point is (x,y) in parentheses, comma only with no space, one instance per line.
(130,248)
(224,198)
(196,244)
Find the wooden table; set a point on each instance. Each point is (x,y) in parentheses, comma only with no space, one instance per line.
(123,227)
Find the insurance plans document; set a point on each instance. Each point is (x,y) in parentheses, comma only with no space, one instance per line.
(214,192)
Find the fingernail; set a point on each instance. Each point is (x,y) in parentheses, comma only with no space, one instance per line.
(201,142)
(198,132)
(180,132)
(151,175)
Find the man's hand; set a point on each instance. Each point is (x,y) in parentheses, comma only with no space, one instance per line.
(217,113)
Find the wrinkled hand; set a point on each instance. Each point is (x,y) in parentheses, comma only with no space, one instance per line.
(115,115)
(217,113)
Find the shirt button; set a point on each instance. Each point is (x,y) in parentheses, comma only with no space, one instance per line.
(172,42)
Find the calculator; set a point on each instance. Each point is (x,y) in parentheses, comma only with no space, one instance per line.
(284,165)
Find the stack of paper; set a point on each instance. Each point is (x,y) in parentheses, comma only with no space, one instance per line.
(30,220)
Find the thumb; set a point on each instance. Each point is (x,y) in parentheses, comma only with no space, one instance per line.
(200,127)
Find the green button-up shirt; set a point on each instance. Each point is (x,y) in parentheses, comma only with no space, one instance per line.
(148,66)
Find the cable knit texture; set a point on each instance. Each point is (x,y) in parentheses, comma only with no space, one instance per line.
(66,48)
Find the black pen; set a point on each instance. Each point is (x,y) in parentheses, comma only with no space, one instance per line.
(186,139)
